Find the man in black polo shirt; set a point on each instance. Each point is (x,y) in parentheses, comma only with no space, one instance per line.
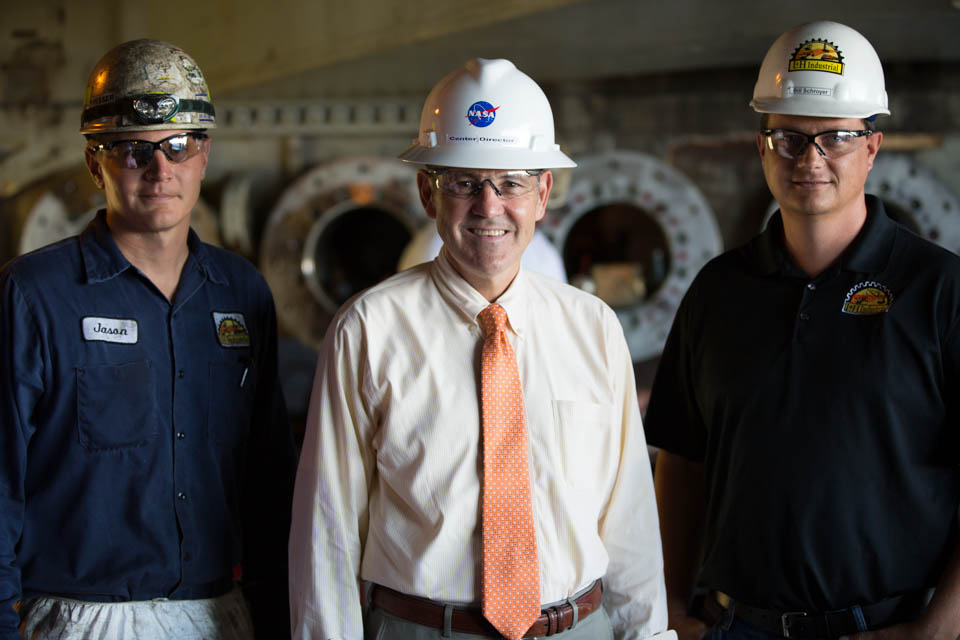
(807,396)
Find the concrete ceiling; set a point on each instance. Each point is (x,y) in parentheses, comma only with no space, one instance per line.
(594,39)
(317,48)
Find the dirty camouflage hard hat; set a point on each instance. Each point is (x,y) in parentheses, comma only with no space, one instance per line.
(146,84)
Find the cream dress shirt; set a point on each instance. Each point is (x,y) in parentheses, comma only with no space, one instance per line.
(388,487)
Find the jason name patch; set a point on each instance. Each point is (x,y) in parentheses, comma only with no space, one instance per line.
(117,330)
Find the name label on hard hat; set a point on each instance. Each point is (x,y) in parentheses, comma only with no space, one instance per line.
(807,91)
(499,140)
(817,55)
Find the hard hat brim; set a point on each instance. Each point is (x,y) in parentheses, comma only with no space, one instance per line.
(473,157)
(817,107)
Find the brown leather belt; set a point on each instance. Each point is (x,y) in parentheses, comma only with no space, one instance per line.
(430,614)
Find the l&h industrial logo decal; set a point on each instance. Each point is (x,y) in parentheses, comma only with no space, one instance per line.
(481,114)
(817,55)
(867,299)
(231,329)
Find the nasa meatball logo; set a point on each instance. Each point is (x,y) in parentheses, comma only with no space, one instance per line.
(231,329)
(867,299)
(481,114)
(817,55)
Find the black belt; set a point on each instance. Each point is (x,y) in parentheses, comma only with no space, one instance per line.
(829,624)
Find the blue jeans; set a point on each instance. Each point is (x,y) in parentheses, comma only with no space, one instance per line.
(740,630)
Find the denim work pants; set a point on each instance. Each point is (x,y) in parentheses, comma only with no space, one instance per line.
(740,630)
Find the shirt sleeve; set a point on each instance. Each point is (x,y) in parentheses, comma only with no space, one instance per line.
(673,420)
(634,592)
(330,499)
(268,489)
(21,384)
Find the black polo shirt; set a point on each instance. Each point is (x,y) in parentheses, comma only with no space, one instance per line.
(825,412)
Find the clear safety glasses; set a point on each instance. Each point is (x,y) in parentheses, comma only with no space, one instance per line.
(137,154)
(830,144)
(462,183)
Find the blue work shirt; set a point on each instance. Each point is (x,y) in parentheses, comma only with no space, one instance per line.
(144,445)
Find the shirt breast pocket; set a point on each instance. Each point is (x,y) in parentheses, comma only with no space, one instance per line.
(230,400)
(116,406)
(585,436)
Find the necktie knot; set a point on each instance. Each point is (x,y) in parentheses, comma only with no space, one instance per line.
(493,319)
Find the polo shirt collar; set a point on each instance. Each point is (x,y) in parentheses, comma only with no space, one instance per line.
(468,302)
(103,260)
(868,253)
(770,256)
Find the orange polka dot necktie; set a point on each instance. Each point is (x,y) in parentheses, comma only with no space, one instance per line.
(510,573)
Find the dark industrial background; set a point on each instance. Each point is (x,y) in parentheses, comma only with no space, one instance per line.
(315,99)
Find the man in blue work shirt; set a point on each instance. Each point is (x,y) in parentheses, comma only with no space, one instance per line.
(146,459)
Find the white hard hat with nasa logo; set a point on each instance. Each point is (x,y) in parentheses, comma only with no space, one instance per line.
(487,115)
(824,69)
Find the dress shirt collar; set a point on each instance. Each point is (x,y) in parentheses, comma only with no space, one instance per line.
(103,259)
(868,253)
(468,302)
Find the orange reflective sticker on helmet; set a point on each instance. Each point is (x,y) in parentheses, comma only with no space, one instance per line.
(817,55)
(867,299)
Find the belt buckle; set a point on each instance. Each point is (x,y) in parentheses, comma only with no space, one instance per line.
(785,621)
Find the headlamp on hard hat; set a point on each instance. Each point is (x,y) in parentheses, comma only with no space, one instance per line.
(155,108)
(149,108)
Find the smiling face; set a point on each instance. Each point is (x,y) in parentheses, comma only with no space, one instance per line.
(812,184)
(484,235)
(153,199)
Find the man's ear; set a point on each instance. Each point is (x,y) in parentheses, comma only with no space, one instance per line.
(207,143)
(873,146)
(93,166)
(425,188)
(761,144)
(545,185)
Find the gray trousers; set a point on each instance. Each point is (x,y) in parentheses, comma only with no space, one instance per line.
(383,626)
(222,618)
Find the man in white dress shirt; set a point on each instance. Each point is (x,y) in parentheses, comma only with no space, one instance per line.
(391,503)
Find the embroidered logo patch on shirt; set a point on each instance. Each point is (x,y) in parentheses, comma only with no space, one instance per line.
(867,298)
(231,329)
(117,330)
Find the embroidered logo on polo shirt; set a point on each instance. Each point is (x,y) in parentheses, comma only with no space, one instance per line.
(231,329)
(119,330)
(867,299)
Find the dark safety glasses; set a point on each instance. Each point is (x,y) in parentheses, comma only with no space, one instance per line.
(137,154)
(829,144)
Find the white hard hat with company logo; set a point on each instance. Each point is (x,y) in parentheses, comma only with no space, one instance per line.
(146,84)
(823,69)
(487,115)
